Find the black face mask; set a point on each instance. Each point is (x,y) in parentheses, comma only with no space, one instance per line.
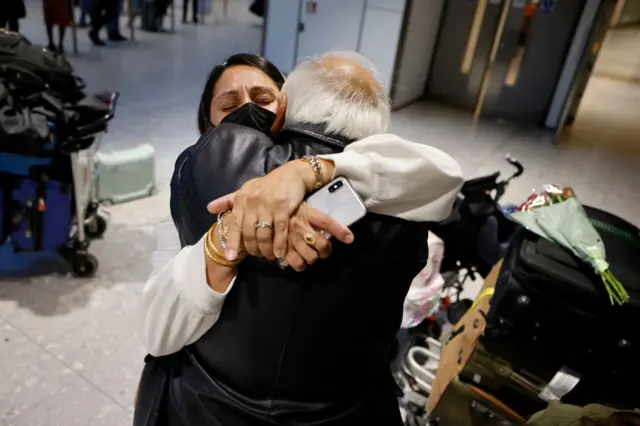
(251,115)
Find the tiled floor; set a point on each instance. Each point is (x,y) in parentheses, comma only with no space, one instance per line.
(69,348)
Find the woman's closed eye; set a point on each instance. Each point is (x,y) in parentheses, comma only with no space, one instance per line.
(228,108)
(264,100)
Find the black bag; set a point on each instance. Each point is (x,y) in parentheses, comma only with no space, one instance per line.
(17,52)
(551,311)
(23,130)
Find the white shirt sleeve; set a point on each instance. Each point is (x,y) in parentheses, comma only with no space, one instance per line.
(178,306)
(393,176)
(396,177)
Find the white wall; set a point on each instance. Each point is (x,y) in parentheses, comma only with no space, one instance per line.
(380,35)
(281,33)
(380,29)
(414,61)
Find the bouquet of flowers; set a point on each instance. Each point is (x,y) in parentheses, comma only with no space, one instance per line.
(556,214)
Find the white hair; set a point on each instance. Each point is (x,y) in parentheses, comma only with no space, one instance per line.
(326,90)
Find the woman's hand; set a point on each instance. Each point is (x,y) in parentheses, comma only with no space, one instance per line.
(308,232)
(261,209)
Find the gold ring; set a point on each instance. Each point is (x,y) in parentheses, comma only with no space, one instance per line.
(267,225)
(310,238)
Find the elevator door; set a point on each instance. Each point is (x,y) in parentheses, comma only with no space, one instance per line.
(329,25)
(464,43)
(535,40)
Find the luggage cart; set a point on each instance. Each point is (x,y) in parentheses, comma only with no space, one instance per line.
(90,216)
(418,365)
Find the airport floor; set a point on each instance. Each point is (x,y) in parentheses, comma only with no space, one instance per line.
(70,352)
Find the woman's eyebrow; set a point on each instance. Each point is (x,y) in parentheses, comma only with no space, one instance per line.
(262,89)
(228,94)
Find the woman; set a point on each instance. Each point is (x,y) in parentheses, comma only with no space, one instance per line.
(184,296)
(10,13)
(56,13)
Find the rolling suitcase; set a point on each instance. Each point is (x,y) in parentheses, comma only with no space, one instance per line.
(39,214)
(125,175)
(552,321)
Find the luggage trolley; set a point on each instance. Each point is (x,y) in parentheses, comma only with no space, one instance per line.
(90,216)
(49,201)
(415,376)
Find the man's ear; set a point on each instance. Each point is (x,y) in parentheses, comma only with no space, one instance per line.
(281,113)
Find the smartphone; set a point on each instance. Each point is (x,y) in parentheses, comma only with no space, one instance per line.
(339,200)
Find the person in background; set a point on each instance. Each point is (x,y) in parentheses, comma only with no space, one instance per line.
(103,12)
(559,414)
(57,13)
(113,26)
(10,14)
(86,6)
(194,11)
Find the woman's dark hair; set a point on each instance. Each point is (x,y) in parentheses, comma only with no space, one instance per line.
(248,59)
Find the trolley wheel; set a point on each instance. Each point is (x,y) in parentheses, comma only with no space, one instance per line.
(84,265)
(96,226)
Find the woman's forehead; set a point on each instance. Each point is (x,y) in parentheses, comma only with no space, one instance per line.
(242,77)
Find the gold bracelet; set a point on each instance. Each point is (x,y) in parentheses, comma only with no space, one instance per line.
(214,254)
(315,164)
(241,255)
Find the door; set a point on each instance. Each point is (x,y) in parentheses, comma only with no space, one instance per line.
(597,36)
(464,44)
(531,53)
(329,25)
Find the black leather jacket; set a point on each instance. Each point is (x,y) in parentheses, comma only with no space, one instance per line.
(292,348)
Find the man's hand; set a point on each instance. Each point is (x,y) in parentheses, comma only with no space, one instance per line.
(308,232)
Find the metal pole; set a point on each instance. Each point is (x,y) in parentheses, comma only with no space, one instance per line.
(74,33)
(132,13)
(225,8)
(173,16)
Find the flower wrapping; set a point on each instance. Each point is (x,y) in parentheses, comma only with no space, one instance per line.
(557,215)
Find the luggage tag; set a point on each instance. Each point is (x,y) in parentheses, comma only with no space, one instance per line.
(562,383)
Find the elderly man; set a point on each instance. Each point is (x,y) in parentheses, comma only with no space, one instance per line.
(308,348)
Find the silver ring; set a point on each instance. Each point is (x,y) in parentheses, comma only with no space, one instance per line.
(267,225)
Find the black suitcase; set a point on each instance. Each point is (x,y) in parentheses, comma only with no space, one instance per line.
(551,311)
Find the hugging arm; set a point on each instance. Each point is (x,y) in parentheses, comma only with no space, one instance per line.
(393,176)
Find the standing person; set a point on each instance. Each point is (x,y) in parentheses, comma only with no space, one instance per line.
(113,26)
(10,13)
(103,11)
(56,13)
(86,6)
(194,11)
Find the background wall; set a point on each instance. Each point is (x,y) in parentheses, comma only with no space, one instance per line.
(380,36)
(281,33)
(630,13)
(379,24)
(417,49)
